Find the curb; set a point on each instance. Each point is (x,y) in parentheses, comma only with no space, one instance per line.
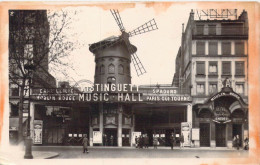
(53,156)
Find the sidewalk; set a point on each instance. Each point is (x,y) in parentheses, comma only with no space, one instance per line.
(151,147)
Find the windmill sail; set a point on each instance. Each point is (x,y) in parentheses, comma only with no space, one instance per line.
(148,26)
(117,17)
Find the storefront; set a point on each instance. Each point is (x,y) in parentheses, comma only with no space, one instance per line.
(220,118)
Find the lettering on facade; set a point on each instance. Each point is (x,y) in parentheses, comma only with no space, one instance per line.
(221,114)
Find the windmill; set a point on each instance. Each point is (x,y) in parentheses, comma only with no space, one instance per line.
(124,38)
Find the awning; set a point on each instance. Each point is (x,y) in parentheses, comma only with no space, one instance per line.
(14,123)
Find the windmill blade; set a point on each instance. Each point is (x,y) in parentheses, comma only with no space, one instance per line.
(106,43)
(148,26)
(117,17)
(139,68)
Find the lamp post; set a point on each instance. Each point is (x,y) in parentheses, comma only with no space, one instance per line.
(28,141)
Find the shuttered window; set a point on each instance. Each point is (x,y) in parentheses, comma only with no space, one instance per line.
(212,29)
(240,68)
(213,68)
(226,48)
(200,29)
(213,48)
(200,48)
(240,88)
(200,68)
(239,48)
(200,88)
(213,88)
(226,68)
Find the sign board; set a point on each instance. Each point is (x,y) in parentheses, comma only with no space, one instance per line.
(186,131)
(135,134)
(221,114)
(97,137)
(37,131)
(195,134)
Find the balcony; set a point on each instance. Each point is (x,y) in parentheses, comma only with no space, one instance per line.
(224,32)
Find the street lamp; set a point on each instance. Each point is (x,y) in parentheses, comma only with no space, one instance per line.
(28,141)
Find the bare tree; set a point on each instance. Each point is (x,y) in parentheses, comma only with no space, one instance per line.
(38,38)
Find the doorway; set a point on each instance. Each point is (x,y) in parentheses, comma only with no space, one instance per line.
(126,137)
(204,134)
(237,130)
(111,134)
(220,135)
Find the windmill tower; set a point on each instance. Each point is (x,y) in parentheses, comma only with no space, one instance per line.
(113,55)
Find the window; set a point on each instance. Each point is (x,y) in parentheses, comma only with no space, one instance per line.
(213,88)
(200,29)
(200,48)
(240,88)
(14,90)
(200,88)
(226,48)
(111,68)
(239,48)
(213,68)
(200,68)
(226,68)
(120,69)
(102,69)
(212,29)
(213,48)
(240,71)
(111,80)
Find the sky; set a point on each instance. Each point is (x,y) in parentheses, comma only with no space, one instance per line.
(157,49)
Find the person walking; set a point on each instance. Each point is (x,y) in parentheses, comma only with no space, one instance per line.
(85,144)
(155,142)
(146,141)
(237,142)
(136,142)
(182,140)
(111,140)
(172,140)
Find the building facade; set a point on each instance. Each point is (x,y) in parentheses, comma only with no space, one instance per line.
(28,43)
(212,64)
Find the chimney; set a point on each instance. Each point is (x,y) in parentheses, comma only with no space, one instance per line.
(183,28)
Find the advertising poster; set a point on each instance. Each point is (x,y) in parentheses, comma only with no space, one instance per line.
(97,137)
(93,75)
(37,131)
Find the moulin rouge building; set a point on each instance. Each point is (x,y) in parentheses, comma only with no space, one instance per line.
(113,116)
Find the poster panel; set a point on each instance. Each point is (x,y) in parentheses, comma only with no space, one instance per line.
(37,131)
(97,137)
(195,134)
(135,134)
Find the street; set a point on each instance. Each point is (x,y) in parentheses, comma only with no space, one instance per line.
(75,152)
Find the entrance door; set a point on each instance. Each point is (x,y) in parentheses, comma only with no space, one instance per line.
(220,135)
(126,137)
(204,134)
(111,134)
(237,130)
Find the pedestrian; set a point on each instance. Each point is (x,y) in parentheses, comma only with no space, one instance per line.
(237,142)
(246,143)
(172,140)
(105,140)
(182,140)
(146,141)
(85,144)
(111,140)
(136,142)
(155,142)
(142,141)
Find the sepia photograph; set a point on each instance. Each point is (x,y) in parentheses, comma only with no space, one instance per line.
(134,80)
